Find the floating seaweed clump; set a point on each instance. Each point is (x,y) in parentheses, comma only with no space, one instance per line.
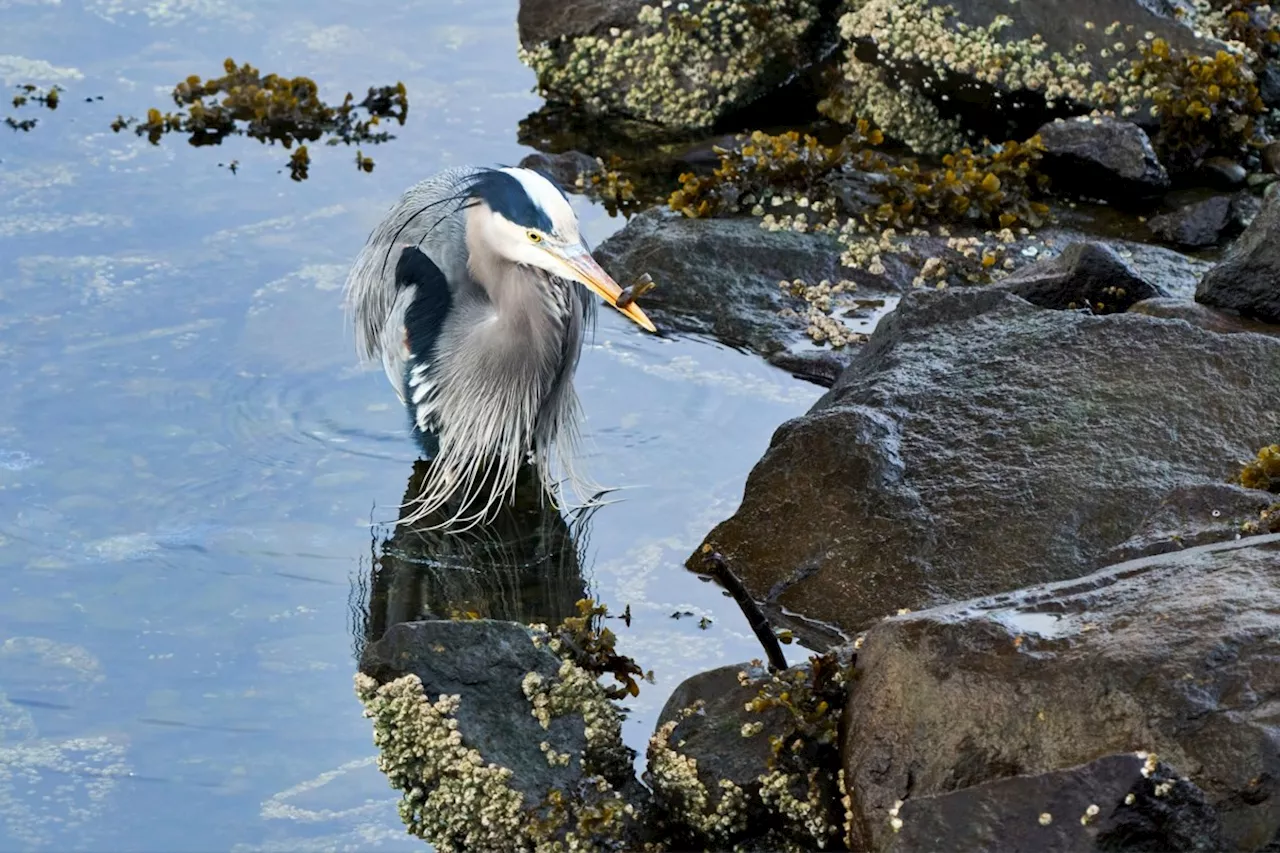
(1262,472)
(272,109)
(998,189)
(30,93)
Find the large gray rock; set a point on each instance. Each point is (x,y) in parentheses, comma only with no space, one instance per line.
(1204,223)
(1107,804)
(1247,280)
(1195,515)
(980,444)
(1178,655)
(1104,158)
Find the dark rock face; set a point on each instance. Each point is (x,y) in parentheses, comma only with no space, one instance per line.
(980,444)
(1178,655)
(485,662)
(1212,319)
(1248,279)
(1107,804)
(1204,223)
(544,20)
(565,167)
(1191,516)
(1086,275)
(1102,158)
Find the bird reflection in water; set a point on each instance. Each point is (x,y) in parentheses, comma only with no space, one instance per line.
(524,565)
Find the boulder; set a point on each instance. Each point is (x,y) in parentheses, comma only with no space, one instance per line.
(1176,655)
(1247,279)
(1204,223)
(1213,319)
(683,66)
(1090,276)
(1103,158)
(1108,804)
(979,444)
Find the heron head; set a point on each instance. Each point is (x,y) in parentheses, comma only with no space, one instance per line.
(523,217)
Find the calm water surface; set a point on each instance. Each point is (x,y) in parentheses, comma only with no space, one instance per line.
(189,458)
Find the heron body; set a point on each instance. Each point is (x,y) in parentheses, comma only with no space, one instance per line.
(475,292)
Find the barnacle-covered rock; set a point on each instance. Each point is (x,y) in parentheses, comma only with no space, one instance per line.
(929,70)
(495,741)
(1247,280)
(681,65)
(979,443)
(1173,655)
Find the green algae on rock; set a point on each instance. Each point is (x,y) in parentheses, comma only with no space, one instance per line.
(272,109)
(680,65)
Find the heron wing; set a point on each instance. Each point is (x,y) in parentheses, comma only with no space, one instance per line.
(425,216)
(428,303)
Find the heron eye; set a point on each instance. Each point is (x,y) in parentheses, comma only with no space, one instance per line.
(535,237)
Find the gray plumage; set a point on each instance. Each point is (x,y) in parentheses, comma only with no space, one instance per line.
(480,333)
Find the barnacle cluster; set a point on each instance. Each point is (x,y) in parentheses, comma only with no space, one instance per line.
(1263,471)
(450,794)
(574,691)
(1268,521)
(681,64)
(272,109)
(821,300)
(681,795)
(862,90)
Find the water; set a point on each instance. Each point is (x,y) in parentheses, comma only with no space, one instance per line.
(189,458)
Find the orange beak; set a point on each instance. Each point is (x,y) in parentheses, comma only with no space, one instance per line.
(583,268)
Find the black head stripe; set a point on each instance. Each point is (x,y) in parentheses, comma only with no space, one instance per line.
(505,195)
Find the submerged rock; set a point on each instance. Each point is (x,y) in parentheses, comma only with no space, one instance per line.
(684,66)
(1175,655)
(1090,276)
(1247,280)
(1104,158)
(980,444)
(1205,223)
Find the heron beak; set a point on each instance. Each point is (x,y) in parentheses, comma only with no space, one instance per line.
(583,268)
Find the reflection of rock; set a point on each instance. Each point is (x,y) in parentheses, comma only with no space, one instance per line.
(524,566)
(1102,158)
(1174,654)
(681,66)
(1085,275)
(980,444)
(1248,279)
(1107,804)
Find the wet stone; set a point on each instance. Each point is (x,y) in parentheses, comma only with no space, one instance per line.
(1089,276)
(1195,515)
(1205,223)
(1247,280)
(972,704)
(1104,158)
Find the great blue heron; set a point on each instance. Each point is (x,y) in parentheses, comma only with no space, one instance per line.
(476,291)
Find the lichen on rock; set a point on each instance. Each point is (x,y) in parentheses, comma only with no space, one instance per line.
(681,65)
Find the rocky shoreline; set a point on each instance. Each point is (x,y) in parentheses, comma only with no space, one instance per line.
(1034,523)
